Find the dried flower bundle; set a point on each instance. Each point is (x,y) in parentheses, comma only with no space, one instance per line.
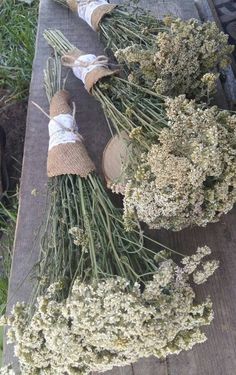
(127,105)
(84,233)
(183,59)
(171,57)
(183,189)
(124,25)
(83,237)
(112,323)
(103,299)
(189,176)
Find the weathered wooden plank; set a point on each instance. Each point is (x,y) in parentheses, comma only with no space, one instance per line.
(202,359)
(218,355)
(150,366)
(161,8)
(182,8)
(127,370)
(207,12)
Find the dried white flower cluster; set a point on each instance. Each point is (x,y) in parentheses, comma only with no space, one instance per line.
(189,177)
(183,59)
(111,323)
(80,237)
(193,262)
(6,370)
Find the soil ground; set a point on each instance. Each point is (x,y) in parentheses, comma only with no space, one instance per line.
(13,121)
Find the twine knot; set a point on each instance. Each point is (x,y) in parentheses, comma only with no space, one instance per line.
(72,62)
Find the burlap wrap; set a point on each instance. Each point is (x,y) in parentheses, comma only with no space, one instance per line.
(67,158)
(99,13)
(95,75)
(60,104)
(73,5)
(92,77)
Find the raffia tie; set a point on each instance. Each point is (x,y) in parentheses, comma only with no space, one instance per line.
(70,61)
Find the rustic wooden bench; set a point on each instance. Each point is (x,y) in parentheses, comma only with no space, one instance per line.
(218,355)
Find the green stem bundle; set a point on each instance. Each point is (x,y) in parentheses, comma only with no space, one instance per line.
(170,56)
(126,104)
(127,25)
(84,234)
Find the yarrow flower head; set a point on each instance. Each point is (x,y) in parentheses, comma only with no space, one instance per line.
(189,176)
(7,370)
(109,323)
(208,268)
(182,60)
(80,238)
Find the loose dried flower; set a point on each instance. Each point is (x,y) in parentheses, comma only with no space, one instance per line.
(208,268)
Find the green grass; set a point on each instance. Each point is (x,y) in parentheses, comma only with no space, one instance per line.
(18,22)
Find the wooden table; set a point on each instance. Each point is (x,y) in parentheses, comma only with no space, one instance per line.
(218,355)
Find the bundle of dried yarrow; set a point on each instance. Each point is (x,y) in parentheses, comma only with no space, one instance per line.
(182,60)
(189,176)
(112,323)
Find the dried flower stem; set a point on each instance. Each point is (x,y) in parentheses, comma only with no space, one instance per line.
(120,98)
(84,234)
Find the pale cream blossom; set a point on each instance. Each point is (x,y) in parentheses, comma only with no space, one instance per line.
(189,176)
(7,370)
(207,269)
(182,60)
(110,323)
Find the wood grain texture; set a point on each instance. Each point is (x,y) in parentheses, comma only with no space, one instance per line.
(127,370)
(218,355)
(207,12)
(150,366)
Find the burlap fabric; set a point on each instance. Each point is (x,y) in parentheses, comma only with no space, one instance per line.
(73,5)
(99,13)
(95,75)
(60,104)
(67,158)
(92,77)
